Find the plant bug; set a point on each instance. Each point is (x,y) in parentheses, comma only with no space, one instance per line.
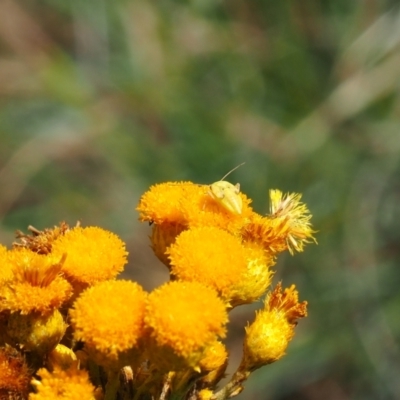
(226,194)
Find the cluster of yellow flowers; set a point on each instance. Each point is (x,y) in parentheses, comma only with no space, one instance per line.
(70,330)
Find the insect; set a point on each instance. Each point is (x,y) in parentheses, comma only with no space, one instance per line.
(226,194)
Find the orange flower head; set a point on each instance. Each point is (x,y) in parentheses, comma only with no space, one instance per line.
(211,256)
(108,318)
(37,284)
(93,255)
(286,228)
(71,384)
(269,335)
(15,375)
(182,319)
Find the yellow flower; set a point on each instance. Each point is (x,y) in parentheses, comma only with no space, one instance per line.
(286,228)
(93,255)
(269,335)
(40,241)
(36,285)
(14,374)
(72,384)
(182,319)
(108,317)
(211,256)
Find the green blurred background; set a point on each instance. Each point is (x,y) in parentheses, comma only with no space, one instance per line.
(100,99)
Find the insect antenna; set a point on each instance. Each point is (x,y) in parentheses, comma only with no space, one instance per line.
(232,170)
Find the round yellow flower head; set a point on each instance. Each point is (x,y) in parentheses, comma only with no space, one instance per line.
(14,374)
(183,318)
(71,384)
(268,336)
(211,256)
(36,285)
(108,318)
(92,254)
(37,333)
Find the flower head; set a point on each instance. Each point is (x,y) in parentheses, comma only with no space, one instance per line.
(183,318)
(286,228)
(108,318)
(211,256)
(36,285)
(269,335)
(93,254)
